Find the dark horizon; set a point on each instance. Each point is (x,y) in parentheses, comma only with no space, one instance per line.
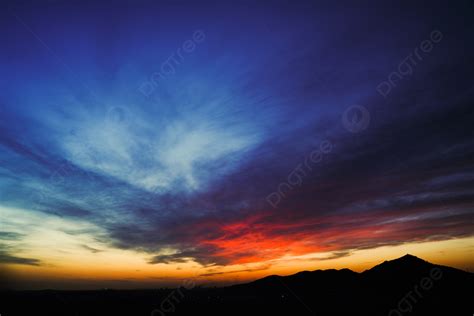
(197,285)
(414,285)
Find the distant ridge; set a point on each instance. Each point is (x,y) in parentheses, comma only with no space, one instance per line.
(408,264)
(379,290)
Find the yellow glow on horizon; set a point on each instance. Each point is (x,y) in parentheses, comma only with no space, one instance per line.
(77,260)
(113,265)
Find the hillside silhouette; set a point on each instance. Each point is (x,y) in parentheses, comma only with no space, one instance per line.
(404,286)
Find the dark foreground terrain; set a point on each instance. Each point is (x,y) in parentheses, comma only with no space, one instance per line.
(405,286)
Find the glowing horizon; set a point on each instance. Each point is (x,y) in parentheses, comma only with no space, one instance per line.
(66,261)
(148,144)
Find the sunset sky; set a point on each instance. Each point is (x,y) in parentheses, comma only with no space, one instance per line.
(142,145)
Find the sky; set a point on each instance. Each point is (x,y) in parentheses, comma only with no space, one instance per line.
(146,143)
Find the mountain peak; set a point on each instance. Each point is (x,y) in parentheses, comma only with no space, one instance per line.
(405,264)
(409,256)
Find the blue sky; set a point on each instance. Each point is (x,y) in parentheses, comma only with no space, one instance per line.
(263,87)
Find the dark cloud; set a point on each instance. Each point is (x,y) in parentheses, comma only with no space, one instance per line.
(93,250)
(10,236)
(261,268)
(7,258)
(335,255)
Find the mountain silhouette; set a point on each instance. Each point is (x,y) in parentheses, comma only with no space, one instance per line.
(404,286)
